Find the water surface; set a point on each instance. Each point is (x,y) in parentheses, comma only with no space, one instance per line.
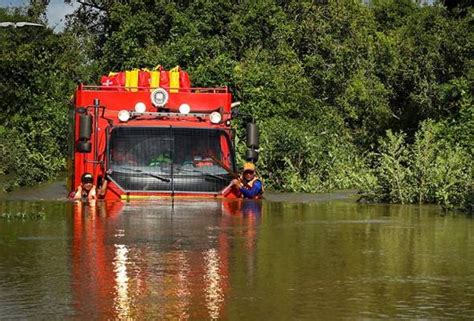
(316,257)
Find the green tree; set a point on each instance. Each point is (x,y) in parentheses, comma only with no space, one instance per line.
(37,71)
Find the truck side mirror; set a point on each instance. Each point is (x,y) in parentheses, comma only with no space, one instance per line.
(252,142)
(83,145)
(85,127)
(251,155)
(252,135)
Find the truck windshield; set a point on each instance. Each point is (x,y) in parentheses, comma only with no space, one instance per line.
(170,159)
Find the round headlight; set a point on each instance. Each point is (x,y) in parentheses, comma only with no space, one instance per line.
(215,117)
(123,115)
(184,109)
(140,107)
(159,97)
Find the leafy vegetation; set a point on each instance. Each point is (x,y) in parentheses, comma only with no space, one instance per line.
(376,96)
(38,70)
(431,170)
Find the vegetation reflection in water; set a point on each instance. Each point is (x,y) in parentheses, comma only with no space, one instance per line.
(233,260)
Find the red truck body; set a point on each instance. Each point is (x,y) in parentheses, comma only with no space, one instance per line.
(160,149)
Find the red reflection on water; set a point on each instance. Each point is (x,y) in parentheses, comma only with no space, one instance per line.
(92,269)
(126,271)
(249,215)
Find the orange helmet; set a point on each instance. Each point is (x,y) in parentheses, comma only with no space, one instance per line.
(249,167)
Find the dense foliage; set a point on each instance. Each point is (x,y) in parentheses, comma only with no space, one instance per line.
(38,71)
(375,96)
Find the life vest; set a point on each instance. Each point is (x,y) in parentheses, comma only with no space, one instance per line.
(85,194)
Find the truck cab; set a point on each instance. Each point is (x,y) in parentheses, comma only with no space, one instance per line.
(150,142)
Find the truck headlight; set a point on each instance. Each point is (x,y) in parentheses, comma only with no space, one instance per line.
(123,115)
(215,117)
(184,109)
(140,107)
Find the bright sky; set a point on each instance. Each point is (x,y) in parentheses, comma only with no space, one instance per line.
(57,9)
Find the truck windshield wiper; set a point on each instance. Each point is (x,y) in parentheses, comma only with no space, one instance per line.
(139,171)
(202,173)
(225,167)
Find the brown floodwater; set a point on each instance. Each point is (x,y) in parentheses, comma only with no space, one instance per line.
(292,256)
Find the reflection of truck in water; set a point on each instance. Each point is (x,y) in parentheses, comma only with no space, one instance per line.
(154,260)
(163,141)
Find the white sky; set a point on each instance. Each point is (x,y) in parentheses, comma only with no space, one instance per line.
(57,9)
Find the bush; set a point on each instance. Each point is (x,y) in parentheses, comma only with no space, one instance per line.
(394,174)
(33,149)
(431,170)
(302,156)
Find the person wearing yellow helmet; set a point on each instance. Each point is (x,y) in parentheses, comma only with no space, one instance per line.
(249,185)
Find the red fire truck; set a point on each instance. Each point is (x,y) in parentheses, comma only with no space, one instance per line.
(155,141)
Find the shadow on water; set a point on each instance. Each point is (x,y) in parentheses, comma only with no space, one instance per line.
(307,257)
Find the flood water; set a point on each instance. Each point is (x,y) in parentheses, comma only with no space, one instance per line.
(285,258)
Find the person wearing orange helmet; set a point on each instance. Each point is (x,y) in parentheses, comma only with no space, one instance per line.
(249,185)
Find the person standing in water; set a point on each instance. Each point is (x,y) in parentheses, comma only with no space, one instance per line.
(86,191)
(249,185)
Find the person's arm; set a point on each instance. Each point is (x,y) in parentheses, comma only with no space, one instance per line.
(103,188)
(254,191)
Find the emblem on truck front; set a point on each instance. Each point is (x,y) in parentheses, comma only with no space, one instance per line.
(159,97)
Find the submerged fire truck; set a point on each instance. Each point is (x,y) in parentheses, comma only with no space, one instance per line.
(150,139)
